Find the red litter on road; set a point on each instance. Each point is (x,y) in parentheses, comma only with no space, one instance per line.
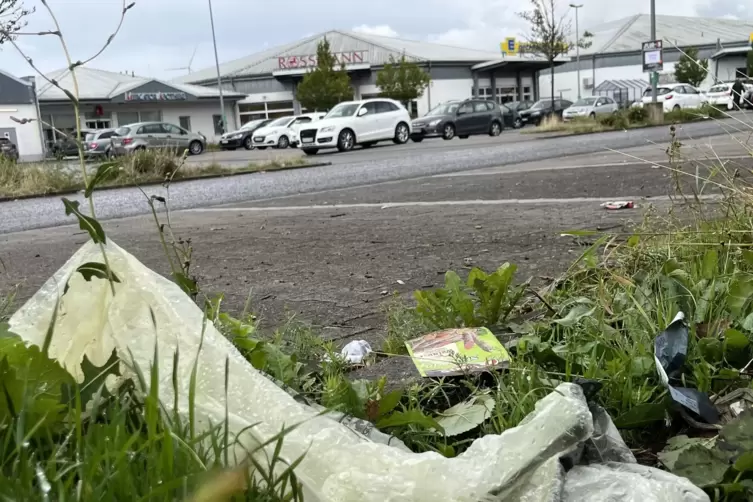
(619,204)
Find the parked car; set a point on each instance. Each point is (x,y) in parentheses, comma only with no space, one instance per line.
(720,95)
(459,118)
(243,137)
(511,117)
(154,135)
(542,109)
(676,96)
(591,107)
(8,149)
(282,132)
(67,147)
(99,143)
(518,107)
(352,123)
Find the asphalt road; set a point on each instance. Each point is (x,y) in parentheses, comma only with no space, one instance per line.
(361,167)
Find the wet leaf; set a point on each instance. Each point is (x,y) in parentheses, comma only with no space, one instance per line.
(410,417)
(94,379)
(736,437)
(389,402)
(466,416)
(735,340)
(641,415)
(86,223)
(98,270)
(633,241)
(745,462)
(710,261)
(740,292)
(105,172)
(575,315)
(187,284)
(677,445)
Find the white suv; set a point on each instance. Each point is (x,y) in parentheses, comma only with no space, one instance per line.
(357,123)
(282,132)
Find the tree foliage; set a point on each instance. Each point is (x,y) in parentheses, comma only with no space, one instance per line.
(325,86)
(691,70)
(12,18)
(402,80)
(549,33)
(749,63)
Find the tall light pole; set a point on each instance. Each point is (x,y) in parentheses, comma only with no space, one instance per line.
(217,64)
(654,75)
(577,42)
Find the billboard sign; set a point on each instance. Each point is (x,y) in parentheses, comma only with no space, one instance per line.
(653,56)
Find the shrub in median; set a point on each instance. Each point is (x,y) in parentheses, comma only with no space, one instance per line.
(637,114)
(617,120)
(150,162)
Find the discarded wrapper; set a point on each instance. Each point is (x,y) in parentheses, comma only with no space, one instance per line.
(670,350)
(457,352)
(356,351)
(619,204)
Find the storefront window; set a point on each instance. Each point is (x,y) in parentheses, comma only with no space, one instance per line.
(251,107)
(280,105)
(527,94)
(219,128)
(248,117)
(125,118)
(150,116)
(185,122)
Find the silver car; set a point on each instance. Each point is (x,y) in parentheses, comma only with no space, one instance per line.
(98,143)
(591,107)
(149,135)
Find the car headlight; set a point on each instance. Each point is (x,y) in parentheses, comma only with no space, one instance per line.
(435,122)
(327,129)
(535,114)
(236,136)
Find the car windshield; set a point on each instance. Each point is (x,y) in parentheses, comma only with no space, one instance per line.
(90,137)
(444,109)
(281,122)
(343,110)
(252,124)
(659,92)
(544,103)
(585,102)
(720,88)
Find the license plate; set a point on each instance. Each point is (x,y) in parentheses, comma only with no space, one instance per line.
(224,142)
(307,140)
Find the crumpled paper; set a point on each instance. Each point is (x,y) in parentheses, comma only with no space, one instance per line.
(338,465)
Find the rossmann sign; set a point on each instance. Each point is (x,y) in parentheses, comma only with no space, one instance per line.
(310,60)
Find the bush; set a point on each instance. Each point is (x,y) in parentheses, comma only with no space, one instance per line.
(617,120)
(636,115)
(692,114)
(151,162)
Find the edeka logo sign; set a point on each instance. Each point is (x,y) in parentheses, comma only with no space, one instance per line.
(309,61)
(156,96)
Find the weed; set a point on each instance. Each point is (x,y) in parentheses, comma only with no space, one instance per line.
(403,324)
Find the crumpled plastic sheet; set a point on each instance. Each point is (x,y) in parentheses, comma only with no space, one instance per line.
(338,465)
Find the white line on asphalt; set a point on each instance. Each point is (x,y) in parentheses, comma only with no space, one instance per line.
(392,205)
(522,167)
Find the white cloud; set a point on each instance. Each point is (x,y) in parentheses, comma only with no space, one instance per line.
(380,29)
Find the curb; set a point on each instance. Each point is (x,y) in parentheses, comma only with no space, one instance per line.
(181,180)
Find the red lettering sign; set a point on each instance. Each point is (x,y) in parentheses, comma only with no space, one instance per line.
(308,61)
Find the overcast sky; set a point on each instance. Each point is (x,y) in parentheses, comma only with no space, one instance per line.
(158,35)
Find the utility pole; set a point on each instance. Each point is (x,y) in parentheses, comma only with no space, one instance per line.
(219,76)
(654,75)
(577,42)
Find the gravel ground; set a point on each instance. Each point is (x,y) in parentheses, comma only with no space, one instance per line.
(388,164)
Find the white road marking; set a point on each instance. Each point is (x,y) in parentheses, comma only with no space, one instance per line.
(523,168)
(392,205)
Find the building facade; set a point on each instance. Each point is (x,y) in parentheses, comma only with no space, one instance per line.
(269,79)
(18,104)
(615,53)
(110,99)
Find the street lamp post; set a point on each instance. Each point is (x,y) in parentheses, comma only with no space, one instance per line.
(217,64)
(654,75)
(577,43)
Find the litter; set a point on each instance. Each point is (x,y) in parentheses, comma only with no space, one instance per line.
(356,351)
(457,352)
(530,462)
(619,204)
(670,351)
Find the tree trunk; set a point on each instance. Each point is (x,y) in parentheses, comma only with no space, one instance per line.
(551,69)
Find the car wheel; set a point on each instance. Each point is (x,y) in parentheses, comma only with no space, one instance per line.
(448,132)
(248,143)
(464,136)
(402,134)
(283,142)
(310,151)
(518,123)
(495,129)
(417,139)
(195,147)
(676,108)
(346,140)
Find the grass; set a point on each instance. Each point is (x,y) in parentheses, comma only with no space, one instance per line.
(631,118)
(29,179)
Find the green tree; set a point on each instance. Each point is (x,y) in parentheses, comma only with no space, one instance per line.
(325,86)
(548,33)
(691,70)
(750,63)
(402,80)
